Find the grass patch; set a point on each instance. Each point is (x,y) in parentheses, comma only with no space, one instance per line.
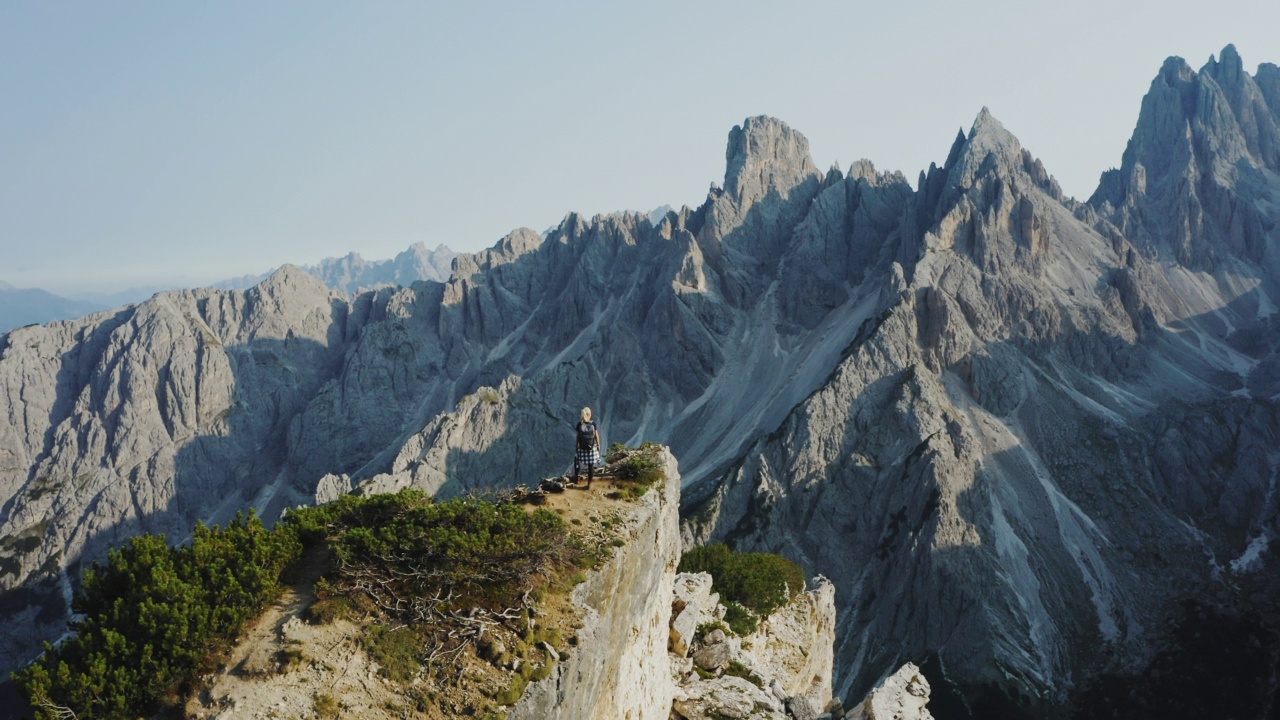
(510,695)
(325,707)
(737,669)
(290,659)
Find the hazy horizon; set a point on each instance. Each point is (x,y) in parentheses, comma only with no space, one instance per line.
(182,145)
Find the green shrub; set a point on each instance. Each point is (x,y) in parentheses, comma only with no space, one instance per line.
(740,620)
(153,617)
(326,708)
(642,467)
(397,652)
(329,610)
(511,694)
(761,582)
(709,627)
(479,553)
(737,669)
(617,451)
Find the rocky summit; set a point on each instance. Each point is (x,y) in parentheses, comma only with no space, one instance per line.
(1016,431)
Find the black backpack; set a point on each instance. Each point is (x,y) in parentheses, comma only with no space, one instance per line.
(586,435)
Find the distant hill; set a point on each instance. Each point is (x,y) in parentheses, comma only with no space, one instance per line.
(20,307)
(350,273)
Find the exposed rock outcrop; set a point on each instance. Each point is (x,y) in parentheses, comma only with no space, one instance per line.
(620,668)
(786,663)
(903,695)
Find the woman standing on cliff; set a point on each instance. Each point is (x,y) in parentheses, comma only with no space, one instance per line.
(588,447)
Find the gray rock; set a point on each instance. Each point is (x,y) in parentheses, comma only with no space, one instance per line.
(713,657)
(551,651)
(904,695)
(694,605)
(800,708)
(726,697)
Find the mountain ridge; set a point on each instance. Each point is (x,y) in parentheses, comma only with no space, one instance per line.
(924,364)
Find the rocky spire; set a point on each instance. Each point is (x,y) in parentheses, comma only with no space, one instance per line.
(764,155)
(1198,136)
(988,142)
(1268,80)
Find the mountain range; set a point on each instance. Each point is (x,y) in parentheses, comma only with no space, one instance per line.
(20,307)
(350,273)
(1015,430)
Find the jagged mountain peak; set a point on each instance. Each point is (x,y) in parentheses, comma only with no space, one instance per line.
(1174,72)
(1268,81)
(1228,67)
(764,154)
(1199,136)
(956,146)
(289,276)
(988,136)
(988,150)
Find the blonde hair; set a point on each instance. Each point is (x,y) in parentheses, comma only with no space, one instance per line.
(586,414)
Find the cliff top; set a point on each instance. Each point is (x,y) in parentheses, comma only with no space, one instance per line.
(333,643)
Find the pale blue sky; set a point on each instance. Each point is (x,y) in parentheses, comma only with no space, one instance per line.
(186,142)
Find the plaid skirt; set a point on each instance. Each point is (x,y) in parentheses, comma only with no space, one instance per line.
(587,458)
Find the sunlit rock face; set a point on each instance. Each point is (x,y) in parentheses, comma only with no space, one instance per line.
(1011,427)
(1056,422)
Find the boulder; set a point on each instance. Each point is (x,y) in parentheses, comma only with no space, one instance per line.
(727,697)
(903,695)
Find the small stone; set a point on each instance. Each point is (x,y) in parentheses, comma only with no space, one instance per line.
(712,657)
(801,708)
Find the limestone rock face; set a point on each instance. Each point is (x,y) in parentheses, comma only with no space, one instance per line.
(620,669)
(795,645)
(1205,151)
(727,697)
(694,605)
(991,431)
(903,695)
(788,659)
